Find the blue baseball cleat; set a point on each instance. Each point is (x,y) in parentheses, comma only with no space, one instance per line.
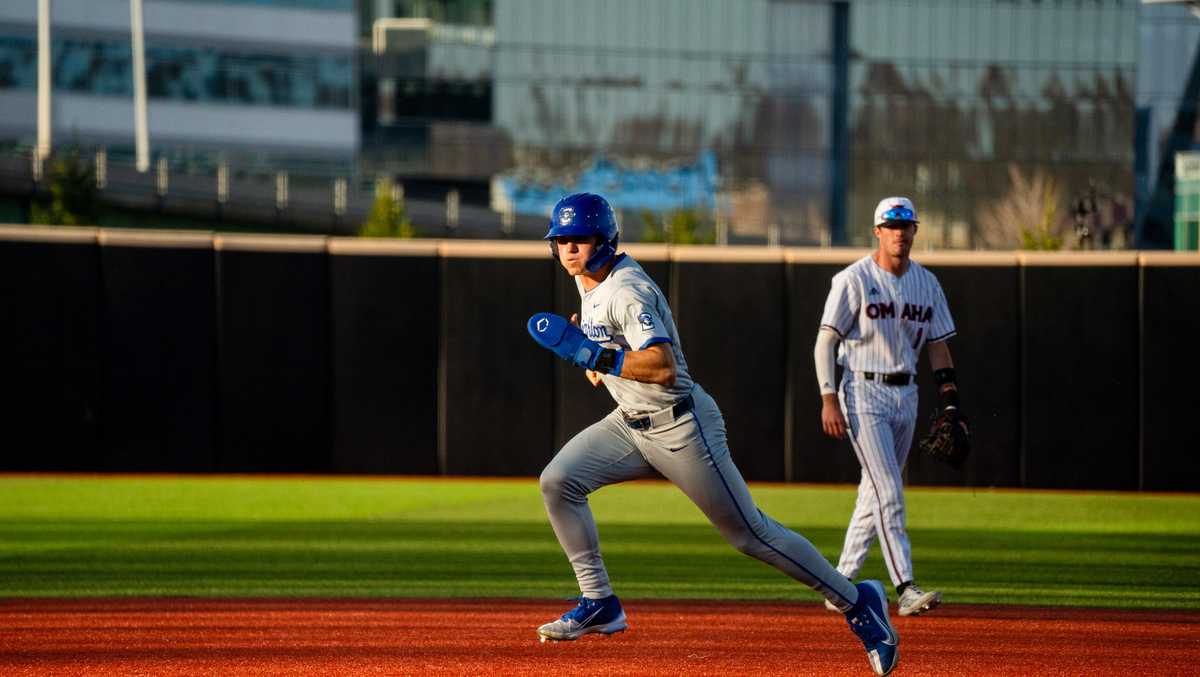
(591,615)
(869,620)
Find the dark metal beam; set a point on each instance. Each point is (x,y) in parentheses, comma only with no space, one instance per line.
(839,152)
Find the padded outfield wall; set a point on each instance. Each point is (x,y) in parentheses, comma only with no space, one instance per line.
(194,352)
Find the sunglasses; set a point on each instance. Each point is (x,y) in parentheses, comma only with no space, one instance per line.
(898,214)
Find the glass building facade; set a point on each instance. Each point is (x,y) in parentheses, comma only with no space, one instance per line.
(333,5)
(1187,201)
(1169,55)
(427,93)
(476,13)
(995,116)
(971,107)
(265,81)
(228,75)
(991,114)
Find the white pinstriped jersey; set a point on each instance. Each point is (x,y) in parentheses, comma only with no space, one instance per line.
(884,320)
(628,311)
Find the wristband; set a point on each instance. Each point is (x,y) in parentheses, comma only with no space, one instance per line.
(609,361)
(944,376)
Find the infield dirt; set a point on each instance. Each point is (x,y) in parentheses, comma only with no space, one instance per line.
(496,637)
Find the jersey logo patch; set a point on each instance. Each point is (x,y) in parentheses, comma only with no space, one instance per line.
(646,321)
(873,292)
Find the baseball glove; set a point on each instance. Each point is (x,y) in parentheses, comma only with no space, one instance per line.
(949,438)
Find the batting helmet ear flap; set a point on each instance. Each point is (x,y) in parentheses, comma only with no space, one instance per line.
(605,250)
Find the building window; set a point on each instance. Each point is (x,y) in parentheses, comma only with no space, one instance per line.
(103,67)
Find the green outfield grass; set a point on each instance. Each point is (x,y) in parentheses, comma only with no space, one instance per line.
(242,536)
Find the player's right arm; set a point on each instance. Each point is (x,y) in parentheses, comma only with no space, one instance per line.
(653,364)
(635,312)
(841,312)
(825,357)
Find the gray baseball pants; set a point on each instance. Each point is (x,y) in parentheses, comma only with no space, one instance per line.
(692,453)
(881,420)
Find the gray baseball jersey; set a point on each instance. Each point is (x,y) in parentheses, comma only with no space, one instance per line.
(628,311)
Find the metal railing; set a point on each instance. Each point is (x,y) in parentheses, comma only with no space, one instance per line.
(304,195)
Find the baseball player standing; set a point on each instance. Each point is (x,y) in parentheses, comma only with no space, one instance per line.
(880,311)
(664,425)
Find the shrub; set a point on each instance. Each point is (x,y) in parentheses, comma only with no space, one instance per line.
(72,197)
(387,217)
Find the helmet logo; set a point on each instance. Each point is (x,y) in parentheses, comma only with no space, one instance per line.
(566,215)
(542,325)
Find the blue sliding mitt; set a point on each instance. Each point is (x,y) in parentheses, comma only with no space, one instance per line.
(564,339)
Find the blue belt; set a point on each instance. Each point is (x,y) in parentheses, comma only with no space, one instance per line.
(658,418)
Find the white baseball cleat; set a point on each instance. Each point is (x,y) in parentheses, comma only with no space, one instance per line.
(915,601)
(604,616)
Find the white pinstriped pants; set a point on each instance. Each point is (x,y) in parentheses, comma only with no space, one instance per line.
(881,420)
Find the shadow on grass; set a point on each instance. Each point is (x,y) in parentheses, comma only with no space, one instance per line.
(450,559)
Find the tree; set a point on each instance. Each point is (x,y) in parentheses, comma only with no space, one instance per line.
(1027,217)
(72,197)
(652,230)
(387,217)
(679,226)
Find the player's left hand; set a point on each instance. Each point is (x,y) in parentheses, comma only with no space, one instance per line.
(949,438)
(564,339)
(955,416)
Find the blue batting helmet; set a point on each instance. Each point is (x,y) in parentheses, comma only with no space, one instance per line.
(585,214)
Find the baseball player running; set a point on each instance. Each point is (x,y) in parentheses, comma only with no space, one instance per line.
(880,311)
(664,425)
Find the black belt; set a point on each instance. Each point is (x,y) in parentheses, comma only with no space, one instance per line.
(890,379)
(645,422)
